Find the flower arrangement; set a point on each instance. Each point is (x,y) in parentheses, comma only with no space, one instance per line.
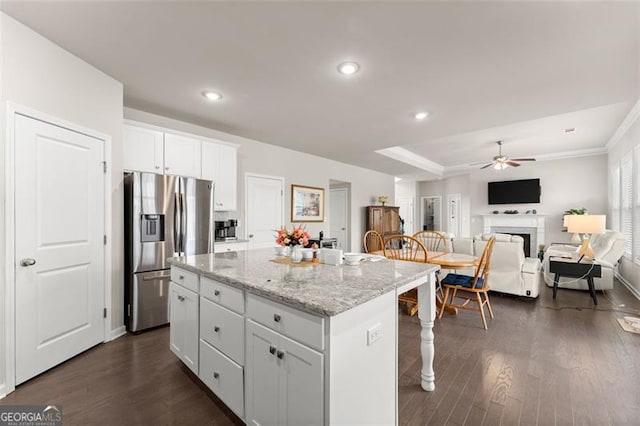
(298,236)
(383,199)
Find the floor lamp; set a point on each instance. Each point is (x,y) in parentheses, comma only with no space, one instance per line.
(587,225)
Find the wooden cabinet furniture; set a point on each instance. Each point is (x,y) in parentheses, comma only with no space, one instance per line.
(383,219)
(184,316)
(156,150)
(219,162)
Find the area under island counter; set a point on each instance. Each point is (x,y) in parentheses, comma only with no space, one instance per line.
(298,344)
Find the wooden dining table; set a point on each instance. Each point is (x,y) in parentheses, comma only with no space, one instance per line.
(446,261)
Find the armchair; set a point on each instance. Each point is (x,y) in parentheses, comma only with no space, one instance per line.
(511,271)
(608,248)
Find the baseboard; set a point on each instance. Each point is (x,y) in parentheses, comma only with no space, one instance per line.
(117,332)
(628,285)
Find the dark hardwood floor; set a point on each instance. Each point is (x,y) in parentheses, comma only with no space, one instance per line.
(541,362)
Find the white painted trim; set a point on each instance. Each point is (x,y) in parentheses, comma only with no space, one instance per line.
(628,285)
(12,110)
(107,300)
(405,156)
(628,121)
(116,332)
(9,384)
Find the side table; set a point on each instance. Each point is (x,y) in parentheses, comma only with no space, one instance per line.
(586,269)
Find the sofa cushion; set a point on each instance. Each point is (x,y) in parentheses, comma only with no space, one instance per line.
(462,280)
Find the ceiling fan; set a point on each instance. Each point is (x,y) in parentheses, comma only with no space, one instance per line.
(501,162)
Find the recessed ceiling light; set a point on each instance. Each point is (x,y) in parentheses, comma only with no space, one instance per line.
(212,96)
(421,115)
(348,68)
(570,130)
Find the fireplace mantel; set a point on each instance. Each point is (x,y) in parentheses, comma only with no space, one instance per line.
(534,223)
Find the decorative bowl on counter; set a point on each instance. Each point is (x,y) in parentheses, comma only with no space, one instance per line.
(352,258)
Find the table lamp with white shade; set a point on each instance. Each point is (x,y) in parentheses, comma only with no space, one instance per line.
(587,225)
(575,239)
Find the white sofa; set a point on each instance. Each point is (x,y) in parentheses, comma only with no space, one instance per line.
(608,248)
(511,272)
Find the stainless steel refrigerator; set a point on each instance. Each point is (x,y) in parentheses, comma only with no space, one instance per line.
(165,216)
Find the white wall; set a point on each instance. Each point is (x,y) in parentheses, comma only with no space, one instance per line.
(629,270)
(38,74)
(296,168)
(568,183)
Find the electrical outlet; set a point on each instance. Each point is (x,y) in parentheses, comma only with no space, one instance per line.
(374,333)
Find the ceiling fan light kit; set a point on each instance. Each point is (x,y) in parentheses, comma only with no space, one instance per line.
(501,162)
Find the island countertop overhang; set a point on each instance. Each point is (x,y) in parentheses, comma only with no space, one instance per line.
(324,290)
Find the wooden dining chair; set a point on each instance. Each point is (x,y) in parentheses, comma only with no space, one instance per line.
(434,242)
(404,247)
(372,241)
(471,287)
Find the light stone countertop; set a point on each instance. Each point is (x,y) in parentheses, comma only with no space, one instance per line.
(321,289)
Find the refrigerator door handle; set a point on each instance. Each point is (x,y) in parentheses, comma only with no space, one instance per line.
(183,222)
(177,217)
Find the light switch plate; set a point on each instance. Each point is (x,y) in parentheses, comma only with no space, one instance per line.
(373,334)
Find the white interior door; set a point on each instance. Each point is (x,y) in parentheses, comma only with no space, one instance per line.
(406,213)
(59,249)
(453,214)
(338,216)
(264,209)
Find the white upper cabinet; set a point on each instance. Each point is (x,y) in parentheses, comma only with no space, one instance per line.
(182,155)
(143,149)
(219,162)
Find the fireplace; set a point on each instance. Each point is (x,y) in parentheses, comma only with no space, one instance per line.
(530,227)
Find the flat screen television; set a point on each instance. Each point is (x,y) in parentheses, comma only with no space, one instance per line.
(524,191)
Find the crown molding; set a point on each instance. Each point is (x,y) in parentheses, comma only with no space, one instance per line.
(629,120)
(405,156)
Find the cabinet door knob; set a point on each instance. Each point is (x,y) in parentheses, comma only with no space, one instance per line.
(277,317)
(216,292)
(216,374)
(272,350)
(280,354)
(181,277)
(216,328)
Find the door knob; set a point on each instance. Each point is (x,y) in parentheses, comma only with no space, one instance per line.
(27,261)
(250,235)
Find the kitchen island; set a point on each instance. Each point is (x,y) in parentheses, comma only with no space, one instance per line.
(298,344)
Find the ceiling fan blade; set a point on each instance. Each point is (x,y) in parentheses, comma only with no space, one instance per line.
(523,159)
(511,163)
(488,165)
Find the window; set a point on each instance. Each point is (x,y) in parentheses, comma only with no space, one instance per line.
(627,203)
(636,207)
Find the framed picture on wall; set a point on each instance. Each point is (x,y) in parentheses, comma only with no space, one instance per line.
(307,204)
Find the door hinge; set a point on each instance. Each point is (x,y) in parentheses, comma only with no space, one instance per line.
(281,192)
(104,166)
(105,240)
(105,313)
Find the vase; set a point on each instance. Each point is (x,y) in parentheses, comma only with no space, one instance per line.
(296,254)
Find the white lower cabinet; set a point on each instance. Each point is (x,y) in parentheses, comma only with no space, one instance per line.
(284,380)
(184,318)
(223,376)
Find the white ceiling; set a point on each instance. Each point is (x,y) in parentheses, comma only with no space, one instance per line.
(520,72)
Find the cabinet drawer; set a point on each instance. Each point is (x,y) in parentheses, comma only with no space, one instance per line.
(301,326)
(186,279)
(223,376)
(222,329)
(226,295)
